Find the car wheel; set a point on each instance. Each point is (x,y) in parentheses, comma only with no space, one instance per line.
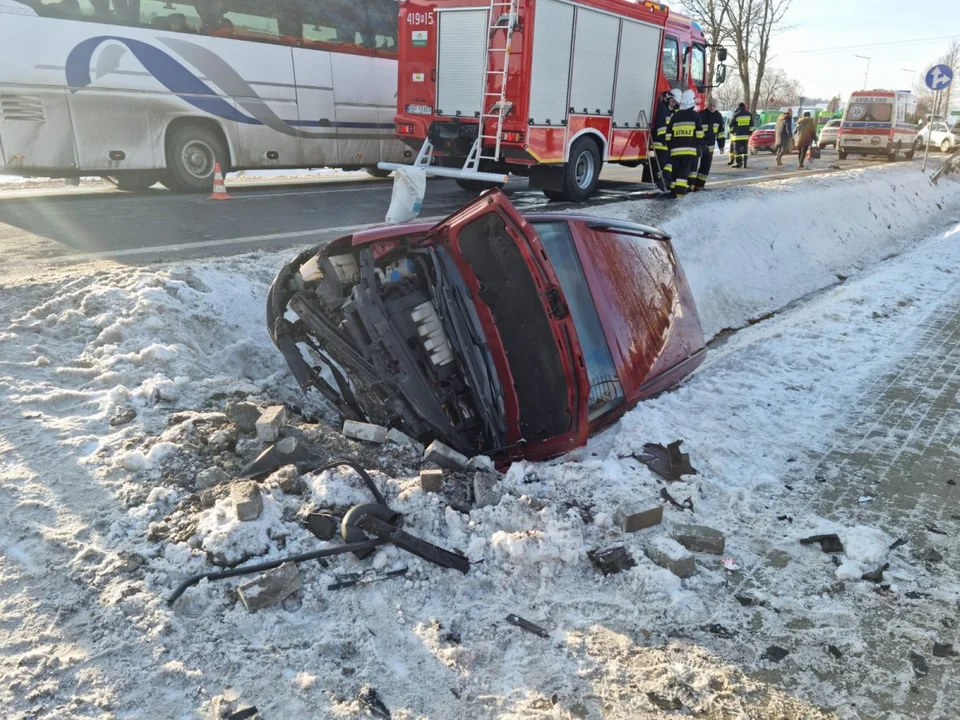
(555,195)
(582,170)
(478,185)
(910,153)
(378,173)
(136,181)
(192,153)
(842,154)
(918,143)
(945,146)
(754,151)
(821,145)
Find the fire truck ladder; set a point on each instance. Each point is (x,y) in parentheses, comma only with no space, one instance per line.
(656,172)
(500,11)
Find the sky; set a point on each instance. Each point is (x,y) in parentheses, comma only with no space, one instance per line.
(819,47)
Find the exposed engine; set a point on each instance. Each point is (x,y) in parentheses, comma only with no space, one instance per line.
(393,341)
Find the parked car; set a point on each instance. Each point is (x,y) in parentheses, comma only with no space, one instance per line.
(829,134)
(764,139)
(495,333)
(941,138)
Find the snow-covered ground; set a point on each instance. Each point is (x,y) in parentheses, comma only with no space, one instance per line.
(101,521)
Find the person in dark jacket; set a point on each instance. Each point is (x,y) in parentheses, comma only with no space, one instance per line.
(713,133)
(741,128)
(661,125)
(784,134)
(806,134)
(684,138)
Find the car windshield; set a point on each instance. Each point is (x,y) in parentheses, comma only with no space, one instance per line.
(769,126)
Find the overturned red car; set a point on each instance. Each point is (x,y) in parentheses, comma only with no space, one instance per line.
(498,334)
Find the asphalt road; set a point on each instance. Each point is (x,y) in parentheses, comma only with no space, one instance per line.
(55,224)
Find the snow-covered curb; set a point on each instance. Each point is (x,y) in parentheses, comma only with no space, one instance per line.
(750,251)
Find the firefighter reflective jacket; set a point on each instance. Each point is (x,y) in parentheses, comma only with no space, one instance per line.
(741,125)
(714,129)
(661,123)
(685,134)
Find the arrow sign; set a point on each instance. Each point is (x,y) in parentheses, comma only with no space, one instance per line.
(939,77)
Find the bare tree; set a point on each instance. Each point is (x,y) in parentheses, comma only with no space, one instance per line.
(751,27)
(711,15)
(777,89)
(728,94)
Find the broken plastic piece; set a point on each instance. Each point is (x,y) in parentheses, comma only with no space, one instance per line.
(243,713)
(876,575)
(667,462)
(322,525)
(828,543)
(354,579)
(612,560)
(527,625)
(685,505)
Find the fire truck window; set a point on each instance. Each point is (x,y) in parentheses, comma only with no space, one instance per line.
(334,21)
(671,58)
(697,64)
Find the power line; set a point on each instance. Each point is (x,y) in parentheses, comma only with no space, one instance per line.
(868,46)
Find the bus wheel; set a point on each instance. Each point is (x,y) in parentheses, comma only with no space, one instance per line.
(192,152)
(582,171)
(378,173)
(478,185)
(136,181)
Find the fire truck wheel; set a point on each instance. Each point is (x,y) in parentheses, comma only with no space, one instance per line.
(582,171)
(478,185)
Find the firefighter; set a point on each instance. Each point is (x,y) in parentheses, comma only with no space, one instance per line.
(741,128)
(661,124)
(684,137)
(713,132)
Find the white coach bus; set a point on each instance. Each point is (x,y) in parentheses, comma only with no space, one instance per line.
(148,90)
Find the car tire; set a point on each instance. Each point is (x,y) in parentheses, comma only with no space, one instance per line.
(478,186)
(192,151)
(378,173)
(842,154)
(945,146)
(754,151)
(581,173)
(555,195)
(821,145)
(134,181)
(909,154)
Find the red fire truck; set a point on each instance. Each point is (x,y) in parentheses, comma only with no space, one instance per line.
(549,89)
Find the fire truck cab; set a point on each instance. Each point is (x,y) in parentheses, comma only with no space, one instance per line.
(549,89)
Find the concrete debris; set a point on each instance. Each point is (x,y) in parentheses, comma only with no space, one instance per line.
(775,653)
(445,457)
(671,555)
(210,477)
(486,489)
(122,417)
(399,438)
(247,500)
(720,631)
(223,439)
(365,431)
(664,702)
(287,478)
(612,560)
(271,588)
(270,421)
(481,463)
(286,452)
(748,600)
(431,481)
(630,519)
(244,415)
(876,575)
(699,538)
(931,555)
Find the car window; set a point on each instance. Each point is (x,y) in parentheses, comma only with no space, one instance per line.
(940,127)
(769,126)
(605,389)
(833,124)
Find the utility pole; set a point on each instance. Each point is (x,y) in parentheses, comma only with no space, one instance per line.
(866,75)
(913,77)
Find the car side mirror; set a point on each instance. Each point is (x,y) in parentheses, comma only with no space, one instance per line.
(722,54)
(721,75)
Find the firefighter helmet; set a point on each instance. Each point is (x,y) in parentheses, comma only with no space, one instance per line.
(675,95)
(687,100)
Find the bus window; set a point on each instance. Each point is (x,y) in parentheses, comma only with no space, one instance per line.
(176,17)
(382,16)
(339,22)
(698,65)
(252,19)
(89,10)
(671,59)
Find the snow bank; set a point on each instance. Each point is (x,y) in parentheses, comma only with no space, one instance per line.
(749,251)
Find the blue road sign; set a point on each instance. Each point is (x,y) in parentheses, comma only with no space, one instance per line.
(939,77)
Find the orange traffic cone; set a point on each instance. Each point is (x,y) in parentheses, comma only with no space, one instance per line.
(219,189)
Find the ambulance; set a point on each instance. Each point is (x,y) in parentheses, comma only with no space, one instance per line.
(548,89)
(879,122)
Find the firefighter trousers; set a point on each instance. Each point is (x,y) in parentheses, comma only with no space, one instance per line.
(683,165)
(663,160)
(698,180)
(740,149)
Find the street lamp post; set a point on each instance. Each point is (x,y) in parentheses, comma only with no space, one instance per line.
(913,77)
(866,75)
